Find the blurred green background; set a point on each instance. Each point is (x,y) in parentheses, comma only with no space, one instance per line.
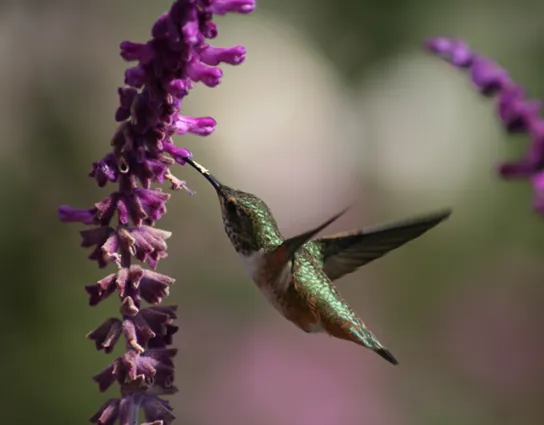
(336,103)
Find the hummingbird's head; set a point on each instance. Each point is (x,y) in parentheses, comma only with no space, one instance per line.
(248,221)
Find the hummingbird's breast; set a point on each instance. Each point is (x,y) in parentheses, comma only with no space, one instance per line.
(280,289)
(273,284)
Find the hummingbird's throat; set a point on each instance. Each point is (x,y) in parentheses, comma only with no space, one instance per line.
(241,241)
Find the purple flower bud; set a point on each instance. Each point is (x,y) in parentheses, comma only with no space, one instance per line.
(145,243)
(178,154)
(213,56)
(128,279)
(158,168)
(153,366)
(133,368)
(106,335)
(108,414)
(488,77)
(106,208)
(160,28)
(454,51)
(220,7)
(136,52)
(202,126)
(102,289)
(516,169)
(124,213)
(157,411)
(104,378)
(70,215)
(135,76)
(126,97)
(177,88)
(191,33)
(515,111)
(209,29)
(150,202)
(154,286)
(154,168)
(104,170)
(198,72)
(104,240)
(155,324)
(157,315)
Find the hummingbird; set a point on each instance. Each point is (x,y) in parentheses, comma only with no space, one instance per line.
(296,275)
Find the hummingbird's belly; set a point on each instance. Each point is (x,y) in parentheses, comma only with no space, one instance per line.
(272,284)
(316,327)
(291,305)
(278,289)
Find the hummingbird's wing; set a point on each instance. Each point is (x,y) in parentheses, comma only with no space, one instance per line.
(344,253)
(287,249)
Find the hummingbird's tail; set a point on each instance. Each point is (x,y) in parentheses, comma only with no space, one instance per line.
(367,339)
(386,354)
(356,331)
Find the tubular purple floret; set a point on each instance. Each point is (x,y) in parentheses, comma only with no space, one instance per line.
(123,224)
(516,112)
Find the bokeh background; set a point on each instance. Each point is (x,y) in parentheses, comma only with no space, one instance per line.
(335,104)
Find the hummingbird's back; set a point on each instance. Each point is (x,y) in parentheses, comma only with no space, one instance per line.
(331,312)
(315,291)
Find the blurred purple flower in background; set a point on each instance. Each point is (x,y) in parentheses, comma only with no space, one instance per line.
(169,64)
(517,113)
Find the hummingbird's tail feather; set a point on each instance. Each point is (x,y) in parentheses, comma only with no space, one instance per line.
(386,354)
(355,330)
(367,339)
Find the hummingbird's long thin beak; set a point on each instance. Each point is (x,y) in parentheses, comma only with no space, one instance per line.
(215,183)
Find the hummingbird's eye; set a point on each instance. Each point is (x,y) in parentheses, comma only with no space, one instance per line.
(231,206)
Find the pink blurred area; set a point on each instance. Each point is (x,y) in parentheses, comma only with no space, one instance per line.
(272,374)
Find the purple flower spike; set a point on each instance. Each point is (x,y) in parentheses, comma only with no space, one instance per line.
(517,113)
(123,231)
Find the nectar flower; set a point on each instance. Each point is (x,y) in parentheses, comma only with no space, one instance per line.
(517,113)
(123,224)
